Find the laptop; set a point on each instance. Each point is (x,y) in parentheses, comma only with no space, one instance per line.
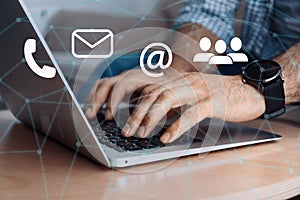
(48,105)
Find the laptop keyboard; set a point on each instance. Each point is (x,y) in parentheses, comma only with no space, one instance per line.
(109,134)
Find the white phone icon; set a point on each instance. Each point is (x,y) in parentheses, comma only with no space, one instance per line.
(29,50)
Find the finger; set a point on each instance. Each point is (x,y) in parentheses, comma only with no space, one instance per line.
(188,119)
(146,90)
(116,96)
(149,96)
(125,85)
(90,99)
(168,99)
(91,95)
(99,97)
(163,104)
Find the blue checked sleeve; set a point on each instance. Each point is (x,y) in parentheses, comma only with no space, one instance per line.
(214,15)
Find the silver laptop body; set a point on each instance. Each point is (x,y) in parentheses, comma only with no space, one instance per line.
(49,105)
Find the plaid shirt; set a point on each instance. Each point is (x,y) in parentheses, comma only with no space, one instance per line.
(218,16)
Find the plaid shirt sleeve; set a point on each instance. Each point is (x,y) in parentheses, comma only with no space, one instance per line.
(214,15)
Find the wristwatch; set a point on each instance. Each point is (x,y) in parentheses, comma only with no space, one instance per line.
(266,76)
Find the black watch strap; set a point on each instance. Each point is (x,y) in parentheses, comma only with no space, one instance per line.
(275,98)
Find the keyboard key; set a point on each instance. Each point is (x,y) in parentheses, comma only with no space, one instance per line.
(136,148)
(110,137)
(197,140)
(110,130)
(145,144)
(97,128)
(132,139)
(109,144)
(121,143)
(99,133)
(156,142)
(113,140)
(132,147)
(102,140)
(129,146)
(122,137)
(119,149)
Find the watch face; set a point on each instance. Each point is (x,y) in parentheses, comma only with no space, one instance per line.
(262,70)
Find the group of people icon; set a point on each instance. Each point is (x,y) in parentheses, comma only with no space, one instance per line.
(220,47)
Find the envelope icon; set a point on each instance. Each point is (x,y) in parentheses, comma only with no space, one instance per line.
(92,43)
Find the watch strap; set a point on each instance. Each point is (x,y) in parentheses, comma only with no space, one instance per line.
(275,100)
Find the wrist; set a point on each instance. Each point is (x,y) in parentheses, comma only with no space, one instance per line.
(289,63)
(246,98)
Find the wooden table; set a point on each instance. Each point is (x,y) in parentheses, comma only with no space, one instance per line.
(265,171)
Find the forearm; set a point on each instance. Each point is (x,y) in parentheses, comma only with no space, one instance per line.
(290,62)
(182,61)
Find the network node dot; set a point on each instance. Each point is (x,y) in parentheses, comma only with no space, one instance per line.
(241,162)
(189,163)
(23,60)
(18,20)
(120,37)
(39,152)
(143,18)
(51,26)
(27,101)
(78,144)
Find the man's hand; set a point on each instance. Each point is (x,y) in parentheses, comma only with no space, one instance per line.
(214,96)
(113,90)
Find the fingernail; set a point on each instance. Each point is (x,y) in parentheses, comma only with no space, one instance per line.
(165,138)
(126,129)
(88,112)
(141,132)
(108,114)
